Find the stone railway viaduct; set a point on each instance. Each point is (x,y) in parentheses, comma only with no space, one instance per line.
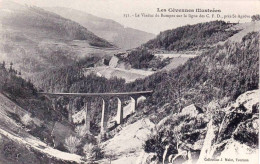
(105,98)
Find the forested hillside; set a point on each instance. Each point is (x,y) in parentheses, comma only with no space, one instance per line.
(196,37)
(143,58)
(202,106)
(72,79)
(24,94)
(12,84)
(30,130)
(192,37)
(224,72)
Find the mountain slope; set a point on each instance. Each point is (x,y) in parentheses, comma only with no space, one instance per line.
(193,137)
(125,38)
(36,40)
(177,45)
(29,149)
(30,130)
(224,71)
(50,25)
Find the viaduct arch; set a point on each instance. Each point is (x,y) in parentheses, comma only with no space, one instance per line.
(105,98)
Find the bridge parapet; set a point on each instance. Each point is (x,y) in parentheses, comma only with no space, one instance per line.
(136,94)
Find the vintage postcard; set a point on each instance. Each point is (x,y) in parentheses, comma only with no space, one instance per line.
(129,81)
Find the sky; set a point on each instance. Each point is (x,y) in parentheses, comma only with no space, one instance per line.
(115,10)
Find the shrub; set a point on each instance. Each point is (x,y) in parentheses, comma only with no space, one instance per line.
(93,152)
(71,143)
(88,151)
(26,119)
(155,144)
(81,131)
(175,131)
(255,18)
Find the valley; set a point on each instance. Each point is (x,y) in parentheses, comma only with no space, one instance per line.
(110,72)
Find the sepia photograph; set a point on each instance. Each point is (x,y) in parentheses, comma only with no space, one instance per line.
(129,81)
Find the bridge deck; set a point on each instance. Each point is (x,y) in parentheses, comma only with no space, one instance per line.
(98,94)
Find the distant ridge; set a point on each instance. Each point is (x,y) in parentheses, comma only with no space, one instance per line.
(35,18)
(36,40)
(125,38)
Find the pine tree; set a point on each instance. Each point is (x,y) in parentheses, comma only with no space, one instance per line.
(11,67)
(3,65)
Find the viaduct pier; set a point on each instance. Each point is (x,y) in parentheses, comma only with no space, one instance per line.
(105,98)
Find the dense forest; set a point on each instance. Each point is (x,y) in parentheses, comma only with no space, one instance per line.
(12,84)
(72,79)
(143,58)
(192,37)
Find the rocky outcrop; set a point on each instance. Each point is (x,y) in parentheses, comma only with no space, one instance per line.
(230,122)
(128,142)
(247,132)
(178,138)
(147,158)
(247,102)
(180,158)
(192,110)
(113,62)
(191,136)
(236,137)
